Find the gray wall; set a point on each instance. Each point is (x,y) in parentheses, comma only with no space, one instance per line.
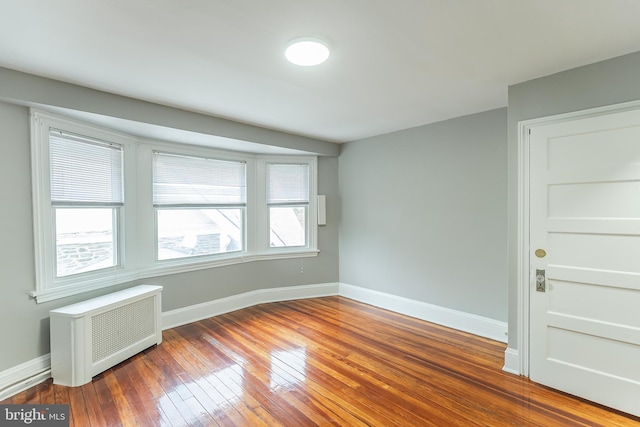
(24,325)
(603,83)
(441,239)
(424,214)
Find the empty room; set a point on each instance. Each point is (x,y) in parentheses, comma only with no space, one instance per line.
(354,213)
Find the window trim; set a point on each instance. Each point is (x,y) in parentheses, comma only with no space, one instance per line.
(312,209)
(137,225)
(48,287)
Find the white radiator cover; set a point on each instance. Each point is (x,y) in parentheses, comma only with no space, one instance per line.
(90,337)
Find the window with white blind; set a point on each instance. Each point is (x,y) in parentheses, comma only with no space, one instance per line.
(200,206)
(110,208)
(87,196)
(79,206)
(288,204)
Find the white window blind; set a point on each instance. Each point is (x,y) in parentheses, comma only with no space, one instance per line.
(287,183)
(84,170)
(196,181)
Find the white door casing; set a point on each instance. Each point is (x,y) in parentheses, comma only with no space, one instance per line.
(580,174)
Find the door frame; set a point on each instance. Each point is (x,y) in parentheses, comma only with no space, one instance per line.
(524,275)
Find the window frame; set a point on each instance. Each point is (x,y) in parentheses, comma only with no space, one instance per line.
(48,286)
(137,225)
(67,197)
(263,209)
(186,206)
(289,203)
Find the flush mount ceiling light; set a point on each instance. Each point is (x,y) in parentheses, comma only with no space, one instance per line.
(307,51)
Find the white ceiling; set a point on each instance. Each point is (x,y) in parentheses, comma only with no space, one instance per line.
(394,64)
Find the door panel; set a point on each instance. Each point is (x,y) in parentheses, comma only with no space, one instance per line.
(613,199)
(593,251)
(585,213)
(573,348)
(621,309)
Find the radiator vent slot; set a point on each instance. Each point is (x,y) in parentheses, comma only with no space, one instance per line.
(119,328)
(92,336)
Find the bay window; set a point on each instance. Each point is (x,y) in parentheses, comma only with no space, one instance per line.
(110,208)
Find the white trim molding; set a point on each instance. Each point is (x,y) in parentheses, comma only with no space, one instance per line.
(511,361)
(522,259)
(194,313)
(467,322)
(21,377)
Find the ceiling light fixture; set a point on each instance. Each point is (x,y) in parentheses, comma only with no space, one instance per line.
(307,51)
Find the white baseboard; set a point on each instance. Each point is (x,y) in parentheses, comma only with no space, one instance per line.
(511,361)
(477,325)
(21,377)
(194,313)
(28,374)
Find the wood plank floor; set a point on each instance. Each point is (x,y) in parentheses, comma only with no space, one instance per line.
(325,361)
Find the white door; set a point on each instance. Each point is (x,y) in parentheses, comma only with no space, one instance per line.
(585,234)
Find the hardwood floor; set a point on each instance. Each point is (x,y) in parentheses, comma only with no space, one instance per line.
(325,361)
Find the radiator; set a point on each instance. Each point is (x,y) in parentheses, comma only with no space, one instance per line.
(92,336)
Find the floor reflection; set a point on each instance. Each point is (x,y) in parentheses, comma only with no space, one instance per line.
(232,378)
(288,367)
(215,393)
